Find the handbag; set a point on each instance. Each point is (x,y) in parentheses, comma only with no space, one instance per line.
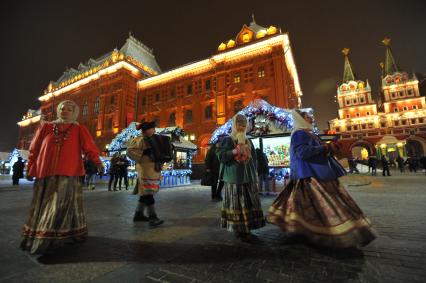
(208,179)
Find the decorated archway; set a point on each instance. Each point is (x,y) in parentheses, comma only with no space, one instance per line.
(362,150)
(391,147)
(415,146)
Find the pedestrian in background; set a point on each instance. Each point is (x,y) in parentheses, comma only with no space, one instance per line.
(212,167)
(57,213)
(372,163)
(241,208)
(122,172)
(353,165)
(385,165)
(315,204)
(113,171)
(91,170)
(263,172)
(412,163)
(18,171)
(401,164)
(423,162)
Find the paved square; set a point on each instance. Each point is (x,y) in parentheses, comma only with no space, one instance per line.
(190,246)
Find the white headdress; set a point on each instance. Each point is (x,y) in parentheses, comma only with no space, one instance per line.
(299,123)
(75,112)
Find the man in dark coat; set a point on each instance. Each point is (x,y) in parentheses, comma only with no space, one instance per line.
(113,171)
(122,167)
(212,166)
(385,165)
(412,163)
(91,170)
(18,171)
(423,162)
(400,162)
(372,163)
(262,171)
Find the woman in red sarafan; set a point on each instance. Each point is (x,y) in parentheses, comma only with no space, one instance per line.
(55,160)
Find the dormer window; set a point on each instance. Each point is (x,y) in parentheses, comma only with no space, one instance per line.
(246,37)
(405,108)
(414,107)
(395,109)
(357,114)
(368,113)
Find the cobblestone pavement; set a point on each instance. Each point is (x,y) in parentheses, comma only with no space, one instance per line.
(190,246)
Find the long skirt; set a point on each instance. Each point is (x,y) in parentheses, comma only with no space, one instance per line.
(241,208)
(56,214)
(323,212)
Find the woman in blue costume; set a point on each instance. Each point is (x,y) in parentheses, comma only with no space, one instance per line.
(314,204)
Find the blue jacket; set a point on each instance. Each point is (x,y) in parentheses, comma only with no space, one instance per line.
(308,158)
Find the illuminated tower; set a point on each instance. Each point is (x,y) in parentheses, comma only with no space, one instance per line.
(357,109)
(401,101)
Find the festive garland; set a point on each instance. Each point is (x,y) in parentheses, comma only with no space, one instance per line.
(261,116)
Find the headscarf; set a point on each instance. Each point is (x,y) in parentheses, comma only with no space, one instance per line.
(298,122)
(238,119)
(75,112)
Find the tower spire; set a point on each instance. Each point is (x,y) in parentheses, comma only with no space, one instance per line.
(253,21)
(390,66)
(348,74)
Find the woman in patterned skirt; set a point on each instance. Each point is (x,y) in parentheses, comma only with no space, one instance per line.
(241,209)
(314,204)
(55,160)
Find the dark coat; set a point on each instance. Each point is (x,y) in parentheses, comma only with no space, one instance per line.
(212,161)
(18,169)
(262,162)
(90,167)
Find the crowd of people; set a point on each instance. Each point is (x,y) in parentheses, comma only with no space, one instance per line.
(313,205)
(385,163)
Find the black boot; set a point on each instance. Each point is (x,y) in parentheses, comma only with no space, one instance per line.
(139,216)
(153,219)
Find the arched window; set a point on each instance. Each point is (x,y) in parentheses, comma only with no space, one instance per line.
(208,112)
(188,116)
(172,119)
(96,109)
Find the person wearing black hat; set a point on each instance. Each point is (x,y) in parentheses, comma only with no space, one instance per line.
(141,150)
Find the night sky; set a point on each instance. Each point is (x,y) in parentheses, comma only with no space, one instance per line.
(39,40)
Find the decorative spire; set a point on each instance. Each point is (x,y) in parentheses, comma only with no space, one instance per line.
(348,74)
(390,66)
(253,21)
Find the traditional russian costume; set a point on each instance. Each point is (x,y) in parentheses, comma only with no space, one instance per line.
(55,160)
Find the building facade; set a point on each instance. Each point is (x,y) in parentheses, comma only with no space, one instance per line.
(104,88)
(127,85)
(201,96)
(393,126)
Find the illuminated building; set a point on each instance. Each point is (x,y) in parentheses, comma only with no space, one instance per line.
(127,85)
(200,96)
(104,88)
(396,125)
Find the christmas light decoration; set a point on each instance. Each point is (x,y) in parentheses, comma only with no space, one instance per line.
(264,119)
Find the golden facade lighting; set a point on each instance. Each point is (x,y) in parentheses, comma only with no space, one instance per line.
(248,51)
(29,121)
(108,70)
